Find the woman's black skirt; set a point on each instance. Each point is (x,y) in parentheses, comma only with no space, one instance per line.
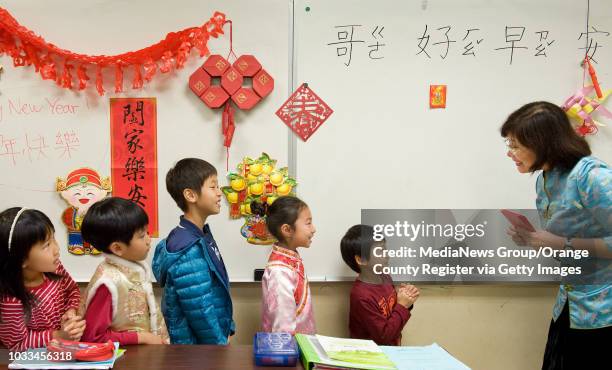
(569,349)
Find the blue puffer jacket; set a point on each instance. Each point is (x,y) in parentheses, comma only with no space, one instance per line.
(196,302)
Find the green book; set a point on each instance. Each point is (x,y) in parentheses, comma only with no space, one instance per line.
(341,353)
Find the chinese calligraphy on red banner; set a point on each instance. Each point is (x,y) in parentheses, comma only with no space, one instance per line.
(134,153)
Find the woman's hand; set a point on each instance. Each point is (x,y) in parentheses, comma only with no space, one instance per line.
(518,240)
(537,239)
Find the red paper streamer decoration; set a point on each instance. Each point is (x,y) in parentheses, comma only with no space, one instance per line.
(304,112)
(26,48)
(134,154)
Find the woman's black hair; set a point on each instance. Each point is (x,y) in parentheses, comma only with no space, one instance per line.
(31,228)
(544,128)
(284,210)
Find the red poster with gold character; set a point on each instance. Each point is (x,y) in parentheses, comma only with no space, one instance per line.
(134,154)
(437,96)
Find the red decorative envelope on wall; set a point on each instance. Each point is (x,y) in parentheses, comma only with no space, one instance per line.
(437,96)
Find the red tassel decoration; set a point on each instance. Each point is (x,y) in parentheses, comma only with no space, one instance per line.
(32,56)
(200,40)
(182,54)
(118,79)
(99,81)
(166,62)
(82,76)
(150,67)
(227,124)
(67,76)
(137,81)
(47,69)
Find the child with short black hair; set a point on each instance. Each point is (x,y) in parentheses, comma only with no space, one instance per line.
(377,311)
(196,302)
(119,303)
(287,302)
(38,298)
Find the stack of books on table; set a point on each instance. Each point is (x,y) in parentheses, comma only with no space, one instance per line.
(321,352)
(327,353)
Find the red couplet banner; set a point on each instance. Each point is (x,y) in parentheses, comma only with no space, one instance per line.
(134,153)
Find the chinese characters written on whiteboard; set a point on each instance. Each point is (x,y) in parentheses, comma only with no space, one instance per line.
(440,41)
(35,147)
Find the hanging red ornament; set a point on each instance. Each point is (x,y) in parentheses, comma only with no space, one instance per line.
(232,79)
(82,76)
(118,79)
(137,81)
(99,81)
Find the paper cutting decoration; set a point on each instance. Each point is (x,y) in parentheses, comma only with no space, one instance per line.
(80,189)
(134,153)
(437,96)
(72,70)
(304,112)
(255,186)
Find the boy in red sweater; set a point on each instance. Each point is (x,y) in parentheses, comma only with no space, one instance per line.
(377,311)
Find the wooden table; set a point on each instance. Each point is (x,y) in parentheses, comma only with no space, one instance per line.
(175,357)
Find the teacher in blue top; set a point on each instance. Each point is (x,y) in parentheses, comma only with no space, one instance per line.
(574,202)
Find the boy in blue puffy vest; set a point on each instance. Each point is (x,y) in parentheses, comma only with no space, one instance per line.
(196,302)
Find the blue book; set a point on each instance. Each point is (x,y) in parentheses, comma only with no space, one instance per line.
(275,349)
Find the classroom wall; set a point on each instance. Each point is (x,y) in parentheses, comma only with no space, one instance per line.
(487,327)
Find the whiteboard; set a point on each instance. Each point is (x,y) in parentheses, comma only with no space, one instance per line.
(384,148)
(381,148)
(185,126)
